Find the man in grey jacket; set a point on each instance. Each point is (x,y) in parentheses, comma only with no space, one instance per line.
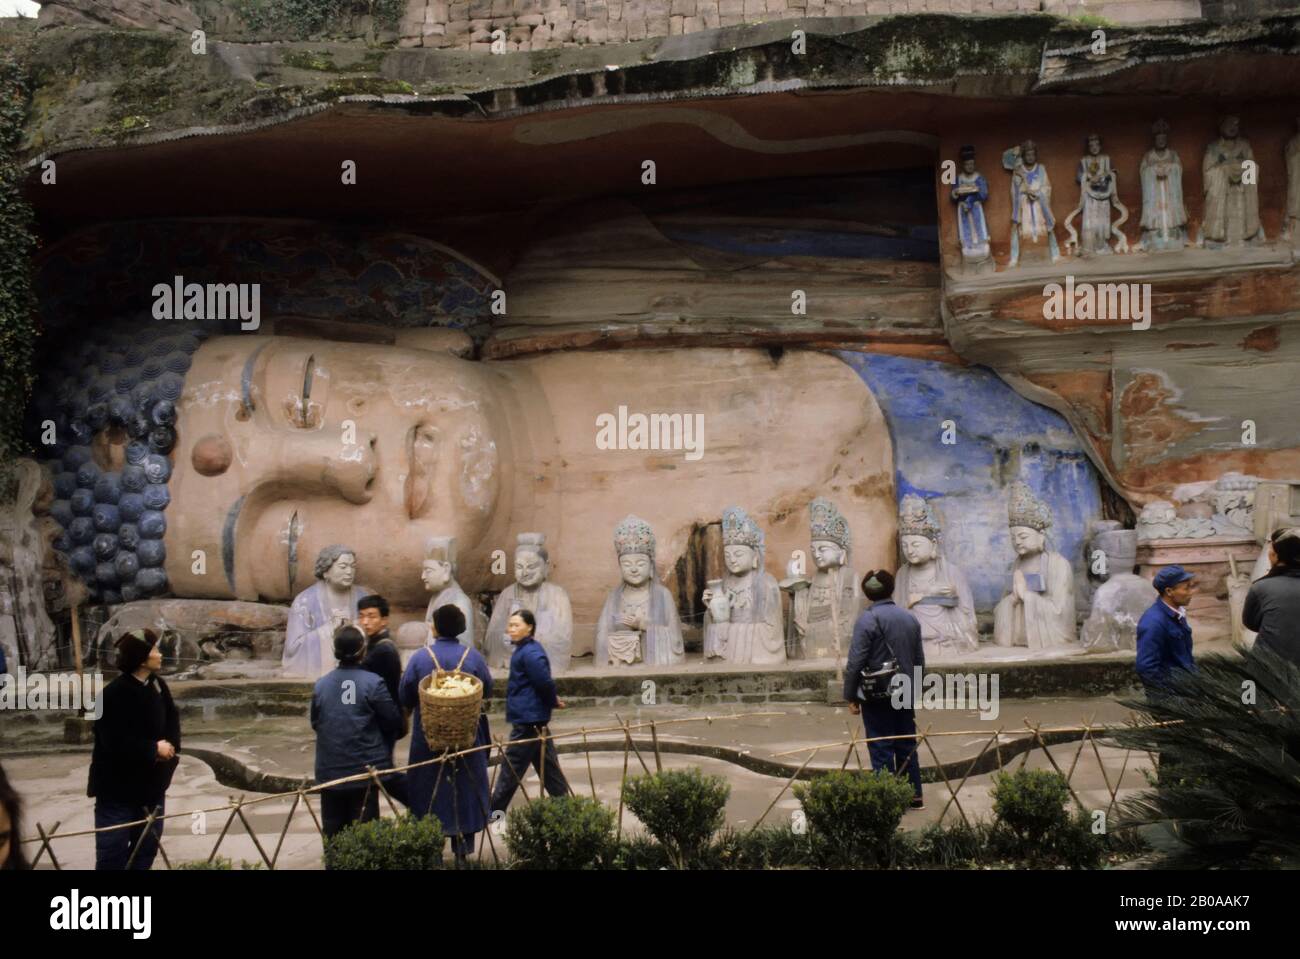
(356,722)
(1272,606)
(886,633)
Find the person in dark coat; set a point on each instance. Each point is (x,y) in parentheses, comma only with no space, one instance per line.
(886,632)
(1164,637)
(356,722)
(1272,607)
(383,659)
(456,791)
(12,856)
(530,697)
(137,744)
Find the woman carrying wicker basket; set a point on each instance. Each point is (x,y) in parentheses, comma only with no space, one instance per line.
(439,682)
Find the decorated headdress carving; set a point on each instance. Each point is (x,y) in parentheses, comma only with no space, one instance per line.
(441,549)
(915,518)
(1026,509)
(828,523)
(634,535)
(533,541)
(739,530)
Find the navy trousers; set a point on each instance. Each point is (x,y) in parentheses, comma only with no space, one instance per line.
(519,756)
(880,718)
(113,849)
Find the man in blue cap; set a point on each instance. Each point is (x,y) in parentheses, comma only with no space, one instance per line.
(1164,637)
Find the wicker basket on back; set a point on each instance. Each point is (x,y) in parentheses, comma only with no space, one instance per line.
(450,716)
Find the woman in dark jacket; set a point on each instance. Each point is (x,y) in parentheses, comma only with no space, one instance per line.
(11,811)
(137,740)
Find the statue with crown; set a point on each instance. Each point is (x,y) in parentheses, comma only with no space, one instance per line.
(822,614)
(930,587)
(439,576)
(638,623)
(1038,612)
(532,591)
(742,624)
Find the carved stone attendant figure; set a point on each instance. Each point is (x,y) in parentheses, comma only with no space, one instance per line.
(319,610)
(934,590)
(1031,200)
(1293,186)
(439,576)
(825,612)
(548,602)
(1164,218)
(1097,194)
(743,621)
(970,194)
(639,620)
(1039,610)
(1231,196)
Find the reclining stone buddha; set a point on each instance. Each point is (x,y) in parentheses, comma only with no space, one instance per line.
(217,466)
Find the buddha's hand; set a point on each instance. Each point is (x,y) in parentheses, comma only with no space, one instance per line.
(945,590)
(1018,586)
(914,598)
(633,621)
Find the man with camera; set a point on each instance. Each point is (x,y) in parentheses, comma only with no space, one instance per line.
(886,644)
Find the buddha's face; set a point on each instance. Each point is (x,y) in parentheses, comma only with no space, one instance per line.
(530,569)
(918,549)
(343,573)
(636,568)
(827,555)
(1030,155)
(968,166)
(436,575)
(1230,127)
(740,559)
(1162,139)
(1026,540)
(1094,146)
(289,442)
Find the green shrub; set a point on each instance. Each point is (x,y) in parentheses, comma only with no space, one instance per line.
(220,863)
(400,843)
(681,809)
(767,847)
(639,853)
(1076,845)
(856,815)
(560,833)
(1031,804)
(958,844)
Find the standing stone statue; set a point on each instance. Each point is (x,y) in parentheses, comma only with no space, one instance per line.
(743,622)
(1031,200)
(970,193)
(1231,202)
(638,622)
(1098,183)
(439,576)
(26,631)
(1293,186)
(1039,610)
(825,612)
(1120,601)
(1164,218)
(934,590)
(319,610)
(531,591)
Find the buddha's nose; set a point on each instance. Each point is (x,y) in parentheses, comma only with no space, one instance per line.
(321,458)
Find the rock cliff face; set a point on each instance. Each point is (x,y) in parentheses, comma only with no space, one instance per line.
(713,190)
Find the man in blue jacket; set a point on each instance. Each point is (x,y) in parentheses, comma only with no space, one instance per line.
(530,697)
(1164,637)
(356,722)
